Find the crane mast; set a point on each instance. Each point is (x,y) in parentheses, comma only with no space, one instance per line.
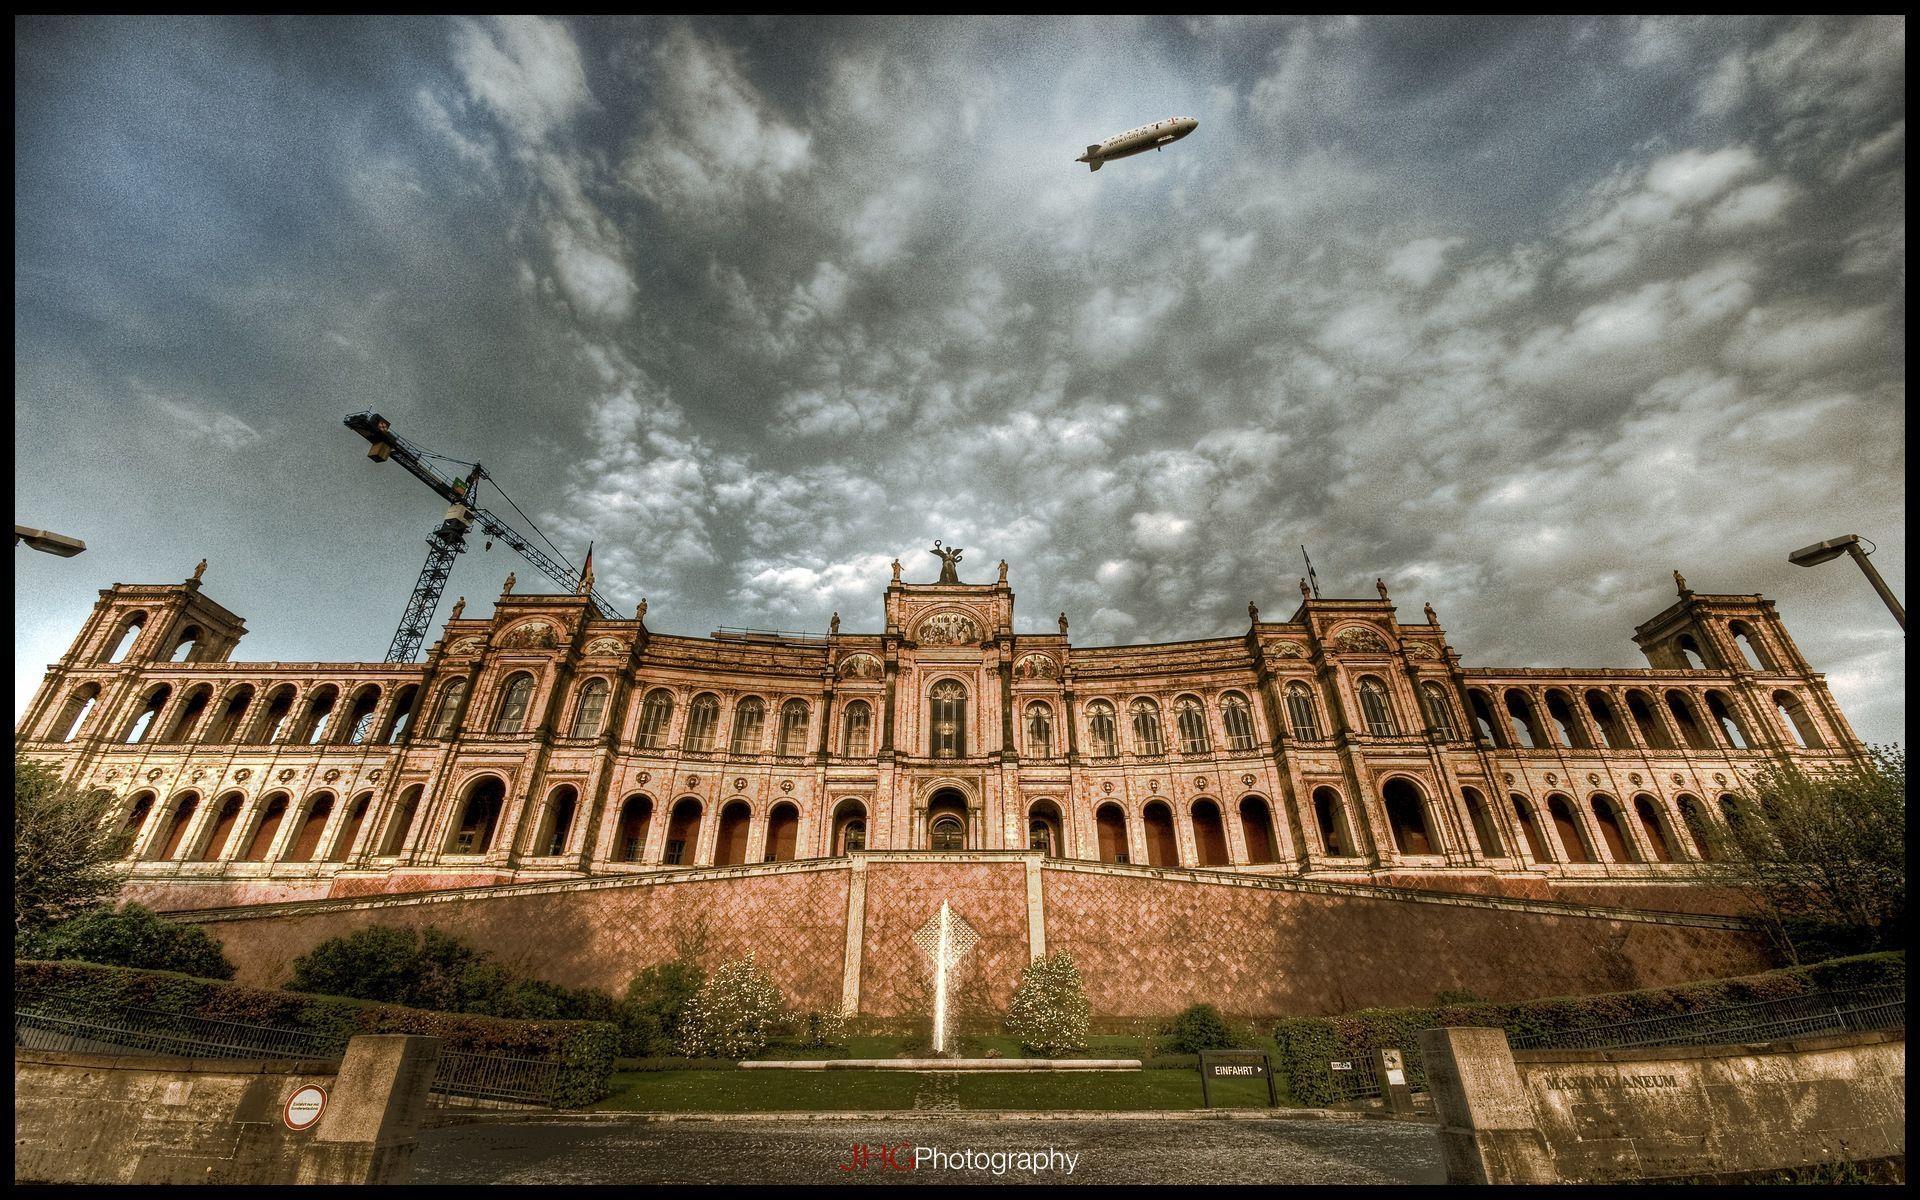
(449,539)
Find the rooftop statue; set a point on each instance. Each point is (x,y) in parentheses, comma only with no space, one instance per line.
(948,558)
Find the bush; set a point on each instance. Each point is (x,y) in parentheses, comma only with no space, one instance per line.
(818,1029)
(656,1002)
(1307,1044)
(439,971)
(130,937)
(86,991)
(1049,1013)
(734,1014)
(1200,1027)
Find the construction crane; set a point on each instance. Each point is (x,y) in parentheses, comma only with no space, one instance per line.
(450,538)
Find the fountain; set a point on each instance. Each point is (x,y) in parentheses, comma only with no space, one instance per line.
(945,939)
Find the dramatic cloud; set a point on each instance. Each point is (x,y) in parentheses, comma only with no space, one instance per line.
(1518,316)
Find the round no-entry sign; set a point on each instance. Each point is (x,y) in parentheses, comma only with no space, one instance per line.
(305,1106)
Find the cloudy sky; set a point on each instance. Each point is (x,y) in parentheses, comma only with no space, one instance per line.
(1520,316)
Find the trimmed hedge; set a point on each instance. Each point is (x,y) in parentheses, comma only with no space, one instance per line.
(1308,1044)
(87,990)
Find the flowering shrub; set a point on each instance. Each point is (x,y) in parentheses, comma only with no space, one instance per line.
(1050,1013)
(734,1015)
(822,1028)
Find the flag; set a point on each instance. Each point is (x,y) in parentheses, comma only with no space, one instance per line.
(586,573)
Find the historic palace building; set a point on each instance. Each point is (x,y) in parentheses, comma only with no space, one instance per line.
(546,743)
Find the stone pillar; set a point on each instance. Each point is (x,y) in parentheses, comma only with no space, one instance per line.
(1487,1129)
(374,1111)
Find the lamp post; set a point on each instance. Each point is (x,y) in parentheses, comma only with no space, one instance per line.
(1813,556)
(50,543)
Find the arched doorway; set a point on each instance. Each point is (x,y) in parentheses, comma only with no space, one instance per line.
(783,834)
(216,841)
(1330,816)
(630,838)
(1043,829)
(1530,829)
(849,828)
(1406,814)
(1209,834)
(1605,815)
(683,833)
(1110,824)
(1162,849)
(264,834)
(1571,839)
(730,847)
(1652,827)
(478,816)
(1256,825)
(947,820)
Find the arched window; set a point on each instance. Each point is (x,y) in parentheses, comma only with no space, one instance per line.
(183,810)
(447,717)
(949,834)
(947,731)
(736,824)
(306,842)
(1566,724)
(1043,829)
(1485,727)
(656,713)
(1607,719)
(260,843)
(1698,831)
(360,715)
(79,706)
(149,712)
(947,820)
(1163,849)
(1652,731)
(1691,730)
(1256,826)
(1110,827)
(473,834)
(190,713)
(1407,815)
(783,834)
(748,716)
(1524,722)
(400,717)
(1209,833)
(630,836)
(556,824)
(793,727)
(849,828)
(401,821)
(122,643)
(1572,839)
(188,643)
(1191,718)
(856,730)
(313,722)
(703,723)
(1799,723)
(1530,828)
(350,829)
(1102,737)
(1606,814)
(1484,830)
(1146,730)
(1729,724)
(683,833)
(1375,708)
(1652,827)
(1329,815)
(1439,711)
(1237,716)
(227,816)
(515,699)
(1743,637)
(1039,730)
(1691,655)
(136,822)
(590,713)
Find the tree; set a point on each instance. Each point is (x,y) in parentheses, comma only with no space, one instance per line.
(1821,852)
(64,849)
(1200,1027)
(735,1014)
(656,1006)
(380,962)
(132,937)
(1050,1013)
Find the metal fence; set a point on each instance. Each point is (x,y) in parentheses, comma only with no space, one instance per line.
(461,1078)
(1811,1015)
(1353,1080)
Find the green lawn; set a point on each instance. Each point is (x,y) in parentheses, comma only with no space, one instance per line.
(862,1091)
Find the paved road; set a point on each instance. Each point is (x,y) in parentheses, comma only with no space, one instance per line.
(1153,1150)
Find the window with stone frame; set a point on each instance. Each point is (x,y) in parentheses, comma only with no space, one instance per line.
(794,718)
(703,723)
(1146,727)
(447,717)
(947,731)
(590,713)
(1039,730)
(1301,713)
(656,713)
(514,701)
(1439,711)
(1102,738)
(1191,718)
(856,730)
(749,716)
(1375,707)
(1237,716)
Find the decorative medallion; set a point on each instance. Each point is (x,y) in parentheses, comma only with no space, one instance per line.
(1552,779)
(1593,779)
(1247,779)
(948,629)
(860,666)
(1423,650)
(1679,780)
(332,775)
(199,775)
(533,635)
(1720,777)
(112,775)
(740,785)
(465,645)
(693,781)
(1289,650)
(1360,639)
(786,785)
(1200,781)
(153,774)
(1634,778)
(1508,776)
(606,646)
(286,775)
(242,775)
(644,776)
(1107,787)
(373,776)
(1036,666)
(1153,785)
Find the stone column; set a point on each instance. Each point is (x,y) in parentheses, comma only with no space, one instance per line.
(378,1100)
(1487,1128)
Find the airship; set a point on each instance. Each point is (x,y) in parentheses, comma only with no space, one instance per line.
(1138,141)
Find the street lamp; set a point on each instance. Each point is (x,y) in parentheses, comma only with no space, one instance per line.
(1827,551)
(51,543)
